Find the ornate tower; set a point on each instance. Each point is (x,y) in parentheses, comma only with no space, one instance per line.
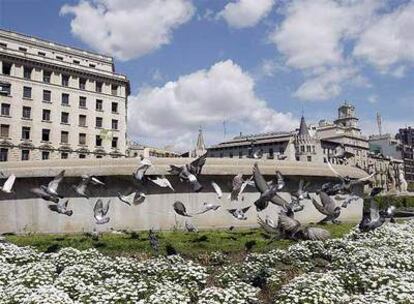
(347,118)
(200,148)
(307,147)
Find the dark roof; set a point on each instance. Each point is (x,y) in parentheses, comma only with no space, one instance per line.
(303,129)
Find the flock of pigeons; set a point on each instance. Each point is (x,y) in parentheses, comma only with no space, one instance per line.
(285,226)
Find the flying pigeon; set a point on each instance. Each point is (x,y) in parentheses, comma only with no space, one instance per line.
(217,189)
(40,192)
(82,186)
(52,187)
(190,227)
(180,209)
(207,207)
(100,211)
(163,182)
(239,214)
(189,172)
(258,154)
(327,208)
(139,174)
(61,208)
(301,194)
(8,184)
(135,198)
(268,192)
(239,184)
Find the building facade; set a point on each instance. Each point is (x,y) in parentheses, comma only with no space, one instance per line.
(406,136)
(138,150)
(59,102)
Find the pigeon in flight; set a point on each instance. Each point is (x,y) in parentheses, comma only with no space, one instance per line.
(207,207)
(375,218)
(217,189)
(52,187)
(239,214)
(327,208)
(268,192)
(190,227)
(135,198)
(100,211)
(61,208)
(189,172)
(8,184)
(40,192)
(257,154)
(239,184)
(82,186)
(180,209)
(139,174)
(163,182)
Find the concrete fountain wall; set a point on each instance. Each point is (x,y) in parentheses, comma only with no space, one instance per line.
(23,212)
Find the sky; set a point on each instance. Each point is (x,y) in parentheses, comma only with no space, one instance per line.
(241,66)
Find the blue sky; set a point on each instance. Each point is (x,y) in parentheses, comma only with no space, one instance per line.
(252,63)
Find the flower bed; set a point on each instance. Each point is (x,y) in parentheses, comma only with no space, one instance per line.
(376,267)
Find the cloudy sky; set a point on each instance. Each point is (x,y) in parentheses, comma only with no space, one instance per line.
(239,66)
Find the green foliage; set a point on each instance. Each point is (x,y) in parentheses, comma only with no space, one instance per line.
(397,201)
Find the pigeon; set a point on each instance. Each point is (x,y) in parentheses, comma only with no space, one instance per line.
(288,226)
(163,182)
(374,219)
(327,208)
(139,174)
(190,227)
(217,189)
(153,239)
(239,214)
(135,198)
(268,191)
(93,180)
(301,194)
(8,184)
(52,187)
(346,184)
(313,234)
(349,200)
(268,225)
(180,209)
(40,192)
(207,207)
(61,208)
(86,180)
(189,172)
(100,211)
(257,154)
(239,184)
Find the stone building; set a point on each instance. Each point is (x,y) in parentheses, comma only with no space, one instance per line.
(137,150)
(59,102)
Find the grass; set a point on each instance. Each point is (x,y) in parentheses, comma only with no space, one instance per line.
(189,245)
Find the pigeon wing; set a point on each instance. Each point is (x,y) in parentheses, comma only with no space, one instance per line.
(54,184)
(334,171)
(280,180)
(317,234)
(197,164)
(98,209)
(266,227)
(217,189)
(319,207)
(259,180)
(374,211)
(105,207)
(278,200)
(245,209)
(288,224)
(363,179)
(327,202)
(8,185)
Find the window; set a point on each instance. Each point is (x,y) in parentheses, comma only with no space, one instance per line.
(41,54)
(231,155)
(64,117)
(46,115)
(27,112)
(64,155)
(114,124)
(82,120)
(27,92)
(25,154)
(4,131)
(98,156)
(91,65)
(114,107)
(98,87)
(76,61)
(5,89)
(5,109)
(64,137)
(240,154)
(25,133)
(82,156)
(308,149)
(82,83)
(27,73)
(65,99)
(22,49)
(46,76)
(45,134)
(47,95)
(6,68)
(98,122)
(82,138)
(114,142)
(3,154)
(302,148)
(82,102)
(99,105)
(98,141)
(114,89)
(65,80)
(309,158)
(59,58)
(271,153)
(45,155)
(3,45)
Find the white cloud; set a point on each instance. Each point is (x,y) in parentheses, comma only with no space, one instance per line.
(390,39)
(245,13)
(373,99)
(127,29)
(325,85)
(173,113)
